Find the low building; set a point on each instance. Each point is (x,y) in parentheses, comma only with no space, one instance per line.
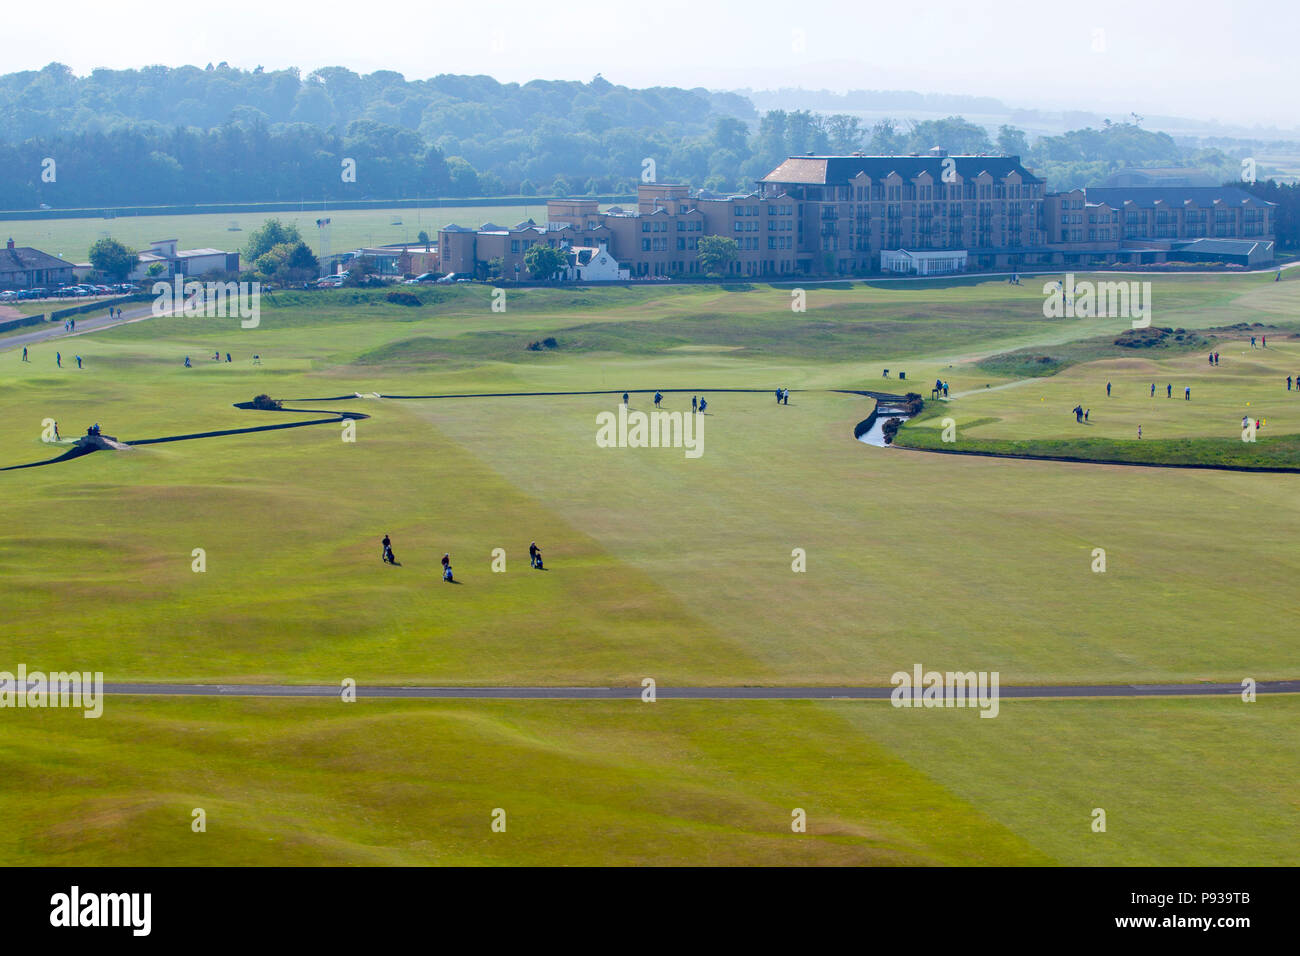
(904,261)
(384,261)
(1251,253)
(22,267)
(163,260)
(415,260)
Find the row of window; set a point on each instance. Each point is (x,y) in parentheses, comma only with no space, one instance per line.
(785,210)
(879,192)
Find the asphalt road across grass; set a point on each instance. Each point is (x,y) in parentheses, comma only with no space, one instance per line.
(679,693)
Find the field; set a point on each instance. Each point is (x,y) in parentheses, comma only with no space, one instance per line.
(349,228)
(660,566)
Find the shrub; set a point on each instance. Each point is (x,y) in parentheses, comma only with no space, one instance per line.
(266,402)
(403,298)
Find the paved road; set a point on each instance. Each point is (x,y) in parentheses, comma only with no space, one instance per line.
(680,693)
(86,322)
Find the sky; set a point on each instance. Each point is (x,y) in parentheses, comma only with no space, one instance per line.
(1232,62)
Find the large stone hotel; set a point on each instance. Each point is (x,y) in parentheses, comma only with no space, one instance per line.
(856,215)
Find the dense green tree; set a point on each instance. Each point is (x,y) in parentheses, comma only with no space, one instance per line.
(287,262)
(545,262)
(112,259)
(717,253)
(273,233)
(1012,141)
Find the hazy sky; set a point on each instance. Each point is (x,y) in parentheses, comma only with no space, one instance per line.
(1207,60)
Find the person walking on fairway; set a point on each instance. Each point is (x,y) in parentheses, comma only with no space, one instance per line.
(1078,413)
(1086,413)
(659,397)
(387,553)
(25,359)
(535,556)
(1187,393)
(58,359)
(78,361)
(57,436)
(1169,390)
(625,398)
(1153,389)
(1108,389)
(1139,433)
(703,405)
(1252,341)
(695,402)
(1288,378)
(446,567)
(778,396)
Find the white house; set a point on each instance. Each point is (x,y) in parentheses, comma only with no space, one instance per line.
(594,264)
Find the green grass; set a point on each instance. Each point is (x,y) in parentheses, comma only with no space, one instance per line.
(1028,362)
(349,228)
(308,782)
(659,566)
(1033,417)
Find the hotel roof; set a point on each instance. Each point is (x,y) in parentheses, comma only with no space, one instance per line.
(1148,196)
(822,170)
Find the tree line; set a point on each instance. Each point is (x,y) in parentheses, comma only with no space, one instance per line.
(160,135)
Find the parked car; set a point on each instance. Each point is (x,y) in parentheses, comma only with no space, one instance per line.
(448,278)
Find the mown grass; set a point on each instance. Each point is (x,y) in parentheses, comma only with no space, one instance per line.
(315,782)
(659,566)
(1274,451)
